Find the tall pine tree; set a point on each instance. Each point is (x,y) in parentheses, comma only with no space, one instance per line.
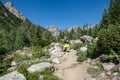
(104,22)
(114,12)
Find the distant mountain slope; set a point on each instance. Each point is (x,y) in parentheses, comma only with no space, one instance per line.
(14,11)
(15,33)
(7,19)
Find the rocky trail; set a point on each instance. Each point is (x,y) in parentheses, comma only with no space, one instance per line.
(70,69)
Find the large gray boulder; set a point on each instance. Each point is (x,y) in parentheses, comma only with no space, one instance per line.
(55,51)
(86,38)
(39,67)
(108,66)
(15,75)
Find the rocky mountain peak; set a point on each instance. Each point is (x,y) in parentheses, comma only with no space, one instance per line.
(54,30)
(14,11)
(73,28)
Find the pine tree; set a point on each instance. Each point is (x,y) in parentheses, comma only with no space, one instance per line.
(104,22)
(114,12)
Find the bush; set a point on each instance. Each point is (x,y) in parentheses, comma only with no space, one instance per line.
(110,58)
(17,58)
(29,76)
(109,39)
(48,75)
(38,52)
(3,52)
(108,44)
(82,56)
(5,65)
(95,69)
(91,51)
(76,46)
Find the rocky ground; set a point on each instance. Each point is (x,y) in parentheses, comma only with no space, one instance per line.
(65,66)
(69,67)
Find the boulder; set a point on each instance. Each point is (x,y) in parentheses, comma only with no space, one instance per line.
(39,67)
(15,75)
(108,66)
(13,63)
(83,49)
(55,51)
(86,38)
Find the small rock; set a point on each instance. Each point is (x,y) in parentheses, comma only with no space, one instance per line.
(22,53)
(95,67)
(11,69)
(18,51)
(109,73)
(13,63)
(30,54)
(26,48)
(115,74)
(102,75)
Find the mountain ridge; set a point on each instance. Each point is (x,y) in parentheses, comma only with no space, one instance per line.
(14,11)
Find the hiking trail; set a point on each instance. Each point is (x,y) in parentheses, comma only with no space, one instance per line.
(70,69)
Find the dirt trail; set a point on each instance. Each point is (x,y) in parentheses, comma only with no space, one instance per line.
(70,69)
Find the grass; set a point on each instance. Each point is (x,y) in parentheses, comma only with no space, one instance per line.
(95,71)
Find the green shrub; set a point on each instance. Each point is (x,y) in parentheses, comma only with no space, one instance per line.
(19,58)
(38,52)
(82,56)
(109,39)
(29,76)
(91,51)
(110,58)
(48,75)
(5,65)
(76,46)
(95,69)
(3,52)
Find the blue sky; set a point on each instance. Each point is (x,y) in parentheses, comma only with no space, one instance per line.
(62,13)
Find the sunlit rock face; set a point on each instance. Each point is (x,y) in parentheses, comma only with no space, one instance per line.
(14,11)
(54,30)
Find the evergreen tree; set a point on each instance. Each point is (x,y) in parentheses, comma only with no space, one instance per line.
(114,12)
(104,22)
